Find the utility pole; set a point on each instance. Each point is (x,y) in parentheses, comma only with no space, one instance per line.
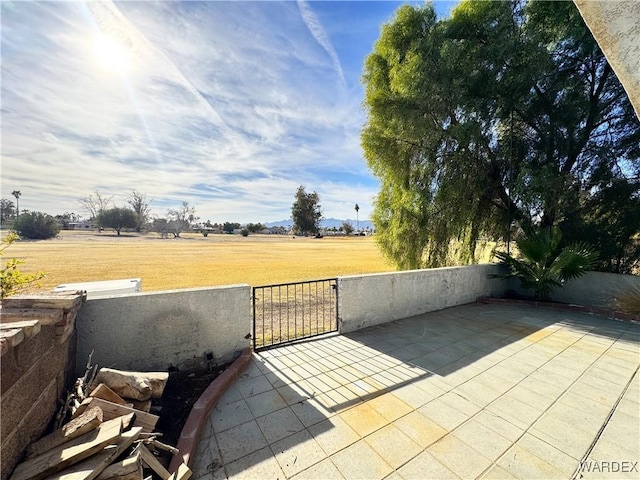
(17,193)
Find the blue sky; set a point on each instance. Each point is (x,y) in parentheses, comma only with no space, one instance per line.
(229,106)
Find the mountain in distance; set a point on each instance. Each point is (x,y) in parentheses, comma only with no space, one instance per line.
(326,223)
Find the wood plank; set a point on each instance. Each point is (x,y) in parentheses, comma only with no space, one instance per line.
(128,469)
(30,327)
(183,473)
(46,316)
(153,463)
(105,393)
(112,410)
(94,465)
(86,422)
(70,453)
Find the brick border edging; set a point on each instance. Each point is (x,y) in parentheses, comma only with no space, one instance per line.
(612,314)
(190,435)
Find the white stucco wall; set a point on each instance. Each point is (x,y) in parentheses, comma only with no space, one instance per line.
(367,300)
(150,331)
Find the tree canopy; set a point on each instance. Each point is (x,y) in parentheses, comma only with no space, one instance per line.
(306,212)
(118,218)
(506,113)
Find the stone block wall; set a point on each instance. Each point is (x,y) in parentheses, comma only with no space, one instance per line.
(37,368)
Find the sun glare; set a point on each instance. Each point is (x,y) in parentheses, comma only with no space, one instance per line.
(112,54)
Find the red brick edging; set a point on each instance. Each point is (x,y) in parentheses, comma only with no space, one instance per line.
(613,314)
(190,435)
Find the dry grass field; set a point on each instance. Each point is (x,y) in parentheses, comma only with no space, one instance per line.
(196,261)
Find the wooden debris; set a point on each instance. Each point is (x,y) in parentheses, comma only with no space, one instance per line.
(84,423)
(157,445)
(112,410)
(144,405)
(93,466)
(103,429)
(153,463)
(105,393)
(128,469)
(70,453)
(183,473)
(135,385)
(77,395)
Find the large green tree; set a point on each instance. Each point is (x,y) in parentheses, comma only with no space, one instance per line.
(118,218)
(505,113)
(306,212)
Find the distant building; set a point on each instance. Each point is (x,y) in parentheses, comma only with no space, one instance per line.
(82,226)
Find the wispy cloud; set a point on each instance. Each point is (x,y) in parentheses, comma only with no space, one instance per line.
(318,32)
(227,105)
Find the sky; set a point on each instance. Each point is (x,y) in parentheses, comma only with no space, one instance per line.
(226,105)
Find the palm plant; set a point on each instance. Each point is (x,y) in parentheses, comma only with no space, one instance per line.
(542,266)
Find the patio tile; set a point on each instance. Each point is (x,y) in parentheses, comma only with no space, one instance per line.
(239,441)
(411,395)
(230,396)
(476,392)
(624,430)
(482,439)
(250,386)
(554,457)
(420,429)
(515,411)
(297,452)
(328,380)
(265,403)
(389,406)
(460,403)
(317,386)
(363,419)
(426,466)
(280,424)
(361,461)
(208,462)
(443,414)
(529,397)
(280,378)
(324,470)
(333,434)
(366,388)
(499,425)
(223,417)
(521,463)
(294,392)
(310,412)
(563,435)
(459,457)
(393,445)
(252,370)
(497,473)
(255,466)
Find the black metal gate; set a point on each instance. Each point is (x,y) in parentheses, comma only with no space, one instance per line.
(290,311)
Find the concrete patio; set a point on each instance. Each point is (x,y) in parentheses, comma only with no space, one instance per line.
(477,391)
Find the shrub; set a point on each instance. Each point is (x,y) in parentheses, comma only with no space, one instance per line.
(628,301)
(36,226)
(12,280)
(542,265)
(244,232)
